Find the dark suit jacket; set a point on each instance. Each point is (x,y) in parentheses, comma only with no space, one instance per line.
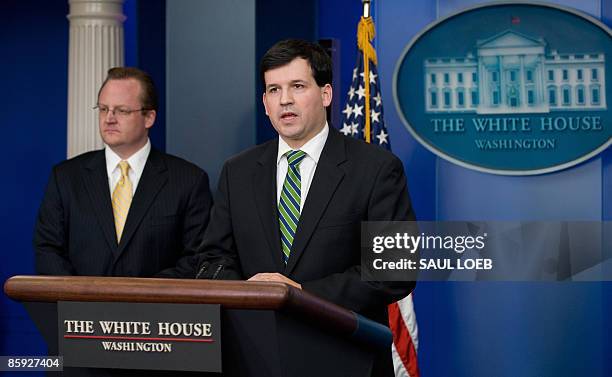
(353,182)
(75,231)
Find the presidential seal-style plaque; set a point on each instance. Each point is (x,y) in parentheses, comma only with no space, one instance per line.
(509,88)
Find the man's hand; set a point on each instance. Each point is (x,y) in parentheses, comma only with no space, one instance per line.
(274,276)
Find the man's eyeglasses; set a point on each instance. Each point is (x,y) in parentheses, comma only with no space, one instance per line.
(120,112)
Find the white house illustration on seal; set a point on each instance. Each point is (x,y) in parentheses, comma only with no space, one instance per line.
(511,73)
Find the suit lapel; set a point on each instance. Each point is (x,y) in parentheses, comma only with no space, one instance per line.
(325,181)
(264,182)
(154,177)
(95,180)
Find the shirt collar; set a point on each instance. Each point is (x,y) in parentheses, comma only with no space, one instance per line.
(137,161)
(313,147)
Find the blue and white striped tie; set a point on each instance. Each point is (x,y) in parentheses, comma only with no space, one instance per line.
(289,205)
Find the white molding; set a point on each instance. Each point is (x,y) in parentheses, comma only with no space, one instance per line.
(96,44)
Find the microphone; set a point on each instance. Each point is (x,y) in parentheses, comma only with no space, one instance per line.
(202,269)
(219,269)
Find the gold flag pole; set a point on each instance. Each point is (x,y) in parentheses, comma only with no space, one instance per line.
(365,34)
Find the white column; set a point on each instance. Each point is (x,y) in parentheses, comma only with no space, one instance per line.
(523,83)
(542,80)
(602,80)
(96,44)
(502,82)
(537,79)
(483,86)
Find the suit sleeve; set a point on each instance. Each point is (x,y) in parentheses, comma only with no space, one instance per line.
(218,248)
(197,215)
(51,233)
(389,201)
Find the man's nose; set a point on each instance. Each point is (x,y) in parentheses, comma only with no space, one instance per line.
(286,97)
(110,116)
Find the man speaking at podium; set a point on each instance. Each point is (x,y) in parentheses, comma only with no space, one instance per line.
(126,210)
(289,210)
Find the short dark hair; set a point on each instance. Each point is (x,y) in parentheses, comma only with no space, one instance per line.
(284,52)
(148,94)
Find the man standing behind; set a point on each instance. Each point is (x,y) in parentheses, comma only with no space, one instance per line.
(290,210)
(126,210)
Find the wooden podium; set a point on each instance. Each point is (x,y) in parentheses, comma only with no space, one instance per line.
(268,329)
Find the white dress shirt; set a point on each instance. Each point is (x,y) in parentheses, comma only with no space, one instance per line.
(137,163)
(313,149)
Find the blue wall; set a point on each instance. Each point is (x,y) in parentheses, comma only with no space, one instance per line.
(33,122)
(344,31)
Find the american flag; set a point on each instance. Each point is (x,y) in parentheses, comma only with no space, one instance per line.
(363,111)
(354,113)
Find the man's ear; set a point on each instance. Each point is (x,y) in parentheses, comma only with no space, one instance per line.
(150,118)
(263,99)
(326,94)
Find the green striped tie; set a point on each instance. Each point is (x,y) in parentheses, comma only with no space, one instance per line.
(289,205)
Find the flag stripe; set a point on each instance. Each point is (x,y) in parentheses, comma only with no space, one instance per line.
(404,348)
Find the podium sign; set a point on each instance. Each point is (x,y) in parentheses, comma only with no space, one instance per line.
(180,337)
